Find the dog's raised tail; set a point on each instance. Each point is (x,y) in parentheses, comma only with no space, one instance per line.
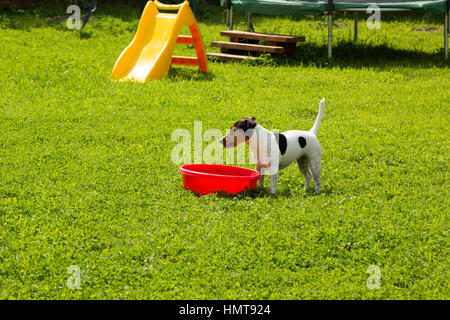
(315,128)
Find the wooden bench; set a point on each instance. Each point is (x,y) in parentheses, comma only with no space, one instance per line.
(244,44)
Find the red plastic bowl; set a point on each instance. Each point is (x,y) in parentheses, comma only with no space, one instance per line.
(210,178)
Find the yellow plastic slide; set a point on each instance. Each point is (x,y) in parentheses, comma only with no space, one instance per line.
(149,56)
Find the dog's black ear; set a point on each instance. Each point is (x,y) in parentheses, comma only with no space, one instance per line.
(245,123)
(251,123)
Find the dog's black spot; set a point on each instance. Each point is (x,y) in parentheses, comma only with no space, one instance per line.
(302,142)
(282,142)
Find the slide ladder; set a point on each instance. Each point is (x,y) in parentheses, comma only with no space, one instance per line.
(149,55)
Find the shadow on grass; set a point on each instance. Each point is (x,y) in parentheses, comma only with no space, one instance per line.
(357,55)
(260,192)
(54,15)
(85,35)
(310,192)
(345,54)
(189,74)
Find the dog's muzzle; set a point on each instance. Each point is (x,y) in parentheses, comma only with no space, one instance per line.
(228,144)
(223,141)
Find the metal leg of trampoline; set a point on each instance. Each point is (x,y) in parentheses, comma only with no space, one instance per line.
(447,15)
(446,27)
(355,33)
(448,19)
(230,18)
(330,36)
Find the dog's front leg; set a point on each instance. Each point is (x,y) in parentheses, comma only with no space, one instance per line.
(261,171)
(273,183)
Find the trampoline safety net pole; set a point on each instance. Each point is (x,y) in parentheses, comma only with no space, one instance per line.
(446,27)
(195,9)
(330,29)
(229,14)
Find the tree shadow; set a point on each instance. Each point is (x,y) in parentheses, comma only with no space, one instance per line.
(362,53)
(356,55)
(53,14)
(345,53)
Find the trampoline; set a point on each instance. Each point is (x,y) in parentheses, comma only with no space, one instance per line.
(312,7)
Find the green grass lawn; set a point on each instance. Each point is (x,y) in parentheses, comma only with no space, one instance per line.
(87,177)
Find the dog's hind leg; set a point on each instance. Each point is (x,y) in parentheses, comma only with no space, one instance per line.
(316,165)
(302,164)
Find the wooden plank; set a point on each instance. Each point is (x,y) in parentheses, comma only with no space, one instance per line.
(229,57)
(261,36)
(247,47)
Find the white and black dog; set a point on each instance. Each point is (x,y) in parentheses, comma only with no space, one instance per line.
(275,151)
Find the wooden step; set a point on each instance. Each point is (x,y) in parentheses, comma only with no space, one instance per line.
(185,61)
(229,57)
(236,34)
(185,39)
(247,47)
